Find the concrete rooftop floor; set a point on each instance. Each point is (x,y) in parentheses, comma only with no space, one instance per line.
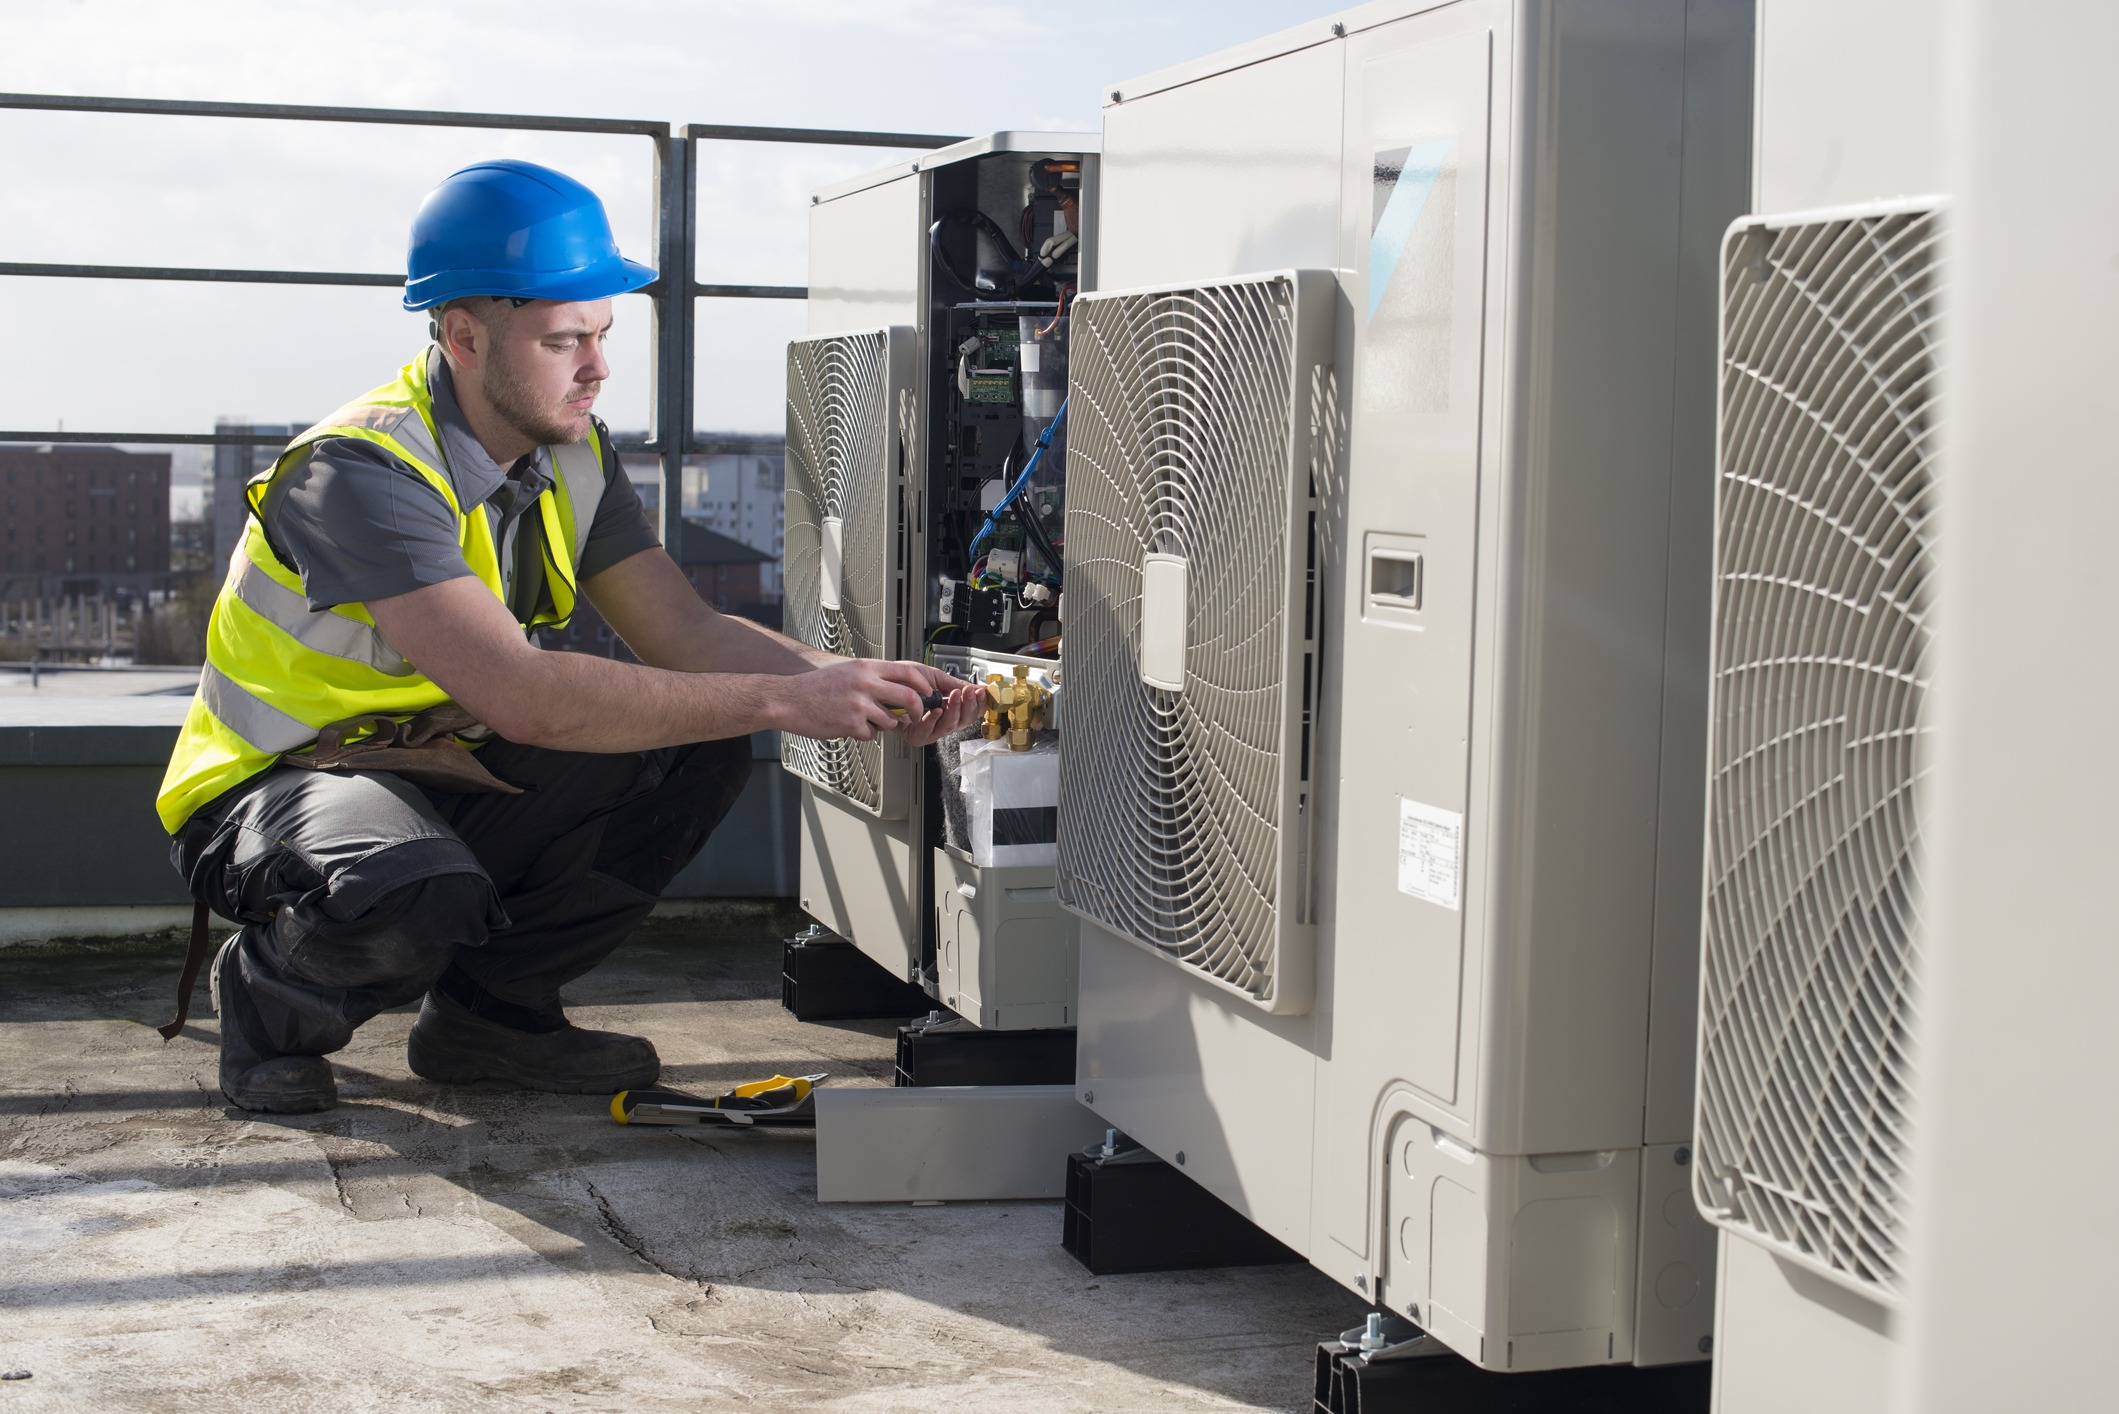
(423,1247)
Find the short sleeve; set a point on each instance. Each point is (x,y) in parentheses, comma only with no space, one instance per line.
(356,523)
(620,528)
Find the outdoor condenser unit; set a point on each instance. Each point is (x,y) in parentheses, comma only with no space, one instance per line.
(935,285)
(1391,511)
(1818,797)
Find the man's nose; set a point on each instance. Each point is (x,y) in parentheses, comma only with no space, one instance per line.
(596,370)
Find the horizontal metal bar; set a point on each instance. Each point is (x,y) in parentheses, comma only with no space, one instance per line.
(174,439)
(335,276)
(300,112)
(39,270)
(700,291)
(710,444)
(831,137)
(186,272)
(226,439)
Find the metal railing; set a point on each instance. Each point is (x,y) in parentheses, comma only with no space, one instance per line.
(674,294)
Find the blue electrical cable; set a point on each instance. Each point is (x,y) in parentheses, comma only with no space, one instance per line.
(993,518)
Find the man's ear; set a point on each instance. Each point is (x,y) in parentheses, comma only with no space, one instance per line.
(448,346)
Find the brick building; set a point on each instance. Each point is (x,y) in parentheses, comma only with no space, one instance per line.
(723,571)
(82,520)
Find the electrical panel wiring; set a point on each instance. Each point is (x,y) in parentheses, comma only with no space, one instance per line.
(1010,241)
(1000,496)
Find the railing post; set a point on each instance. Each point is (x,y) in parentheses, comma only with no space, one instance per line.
(675,203)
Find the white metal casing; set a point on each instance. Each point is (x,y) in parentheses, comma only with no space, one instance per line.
(2020,976)
(862,876)
(1523,431)
(1007,956)
(1849,115)
(858,873)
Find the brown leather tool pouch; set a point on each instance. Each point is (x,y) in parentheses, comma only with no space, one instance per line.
(423,749)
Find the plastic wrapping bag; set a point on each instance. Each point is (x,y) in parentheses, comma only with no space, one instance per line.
(1011,802)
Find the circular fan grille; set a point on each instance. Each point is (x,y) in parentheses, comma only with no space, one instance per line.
(1823,568)
(838,467)
(1171,802)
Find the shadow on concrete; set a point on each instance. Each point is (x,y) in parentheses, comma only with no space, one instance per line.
(717,1212)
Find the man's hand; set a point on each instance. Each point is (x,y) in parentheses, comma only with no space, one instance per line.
(966,700)
(855,697)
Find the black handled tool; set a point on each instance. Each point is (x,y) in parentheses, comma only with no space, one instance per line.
(931,701)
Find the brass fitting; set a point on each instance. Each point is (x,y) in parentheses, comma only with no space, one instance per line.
(1016,706)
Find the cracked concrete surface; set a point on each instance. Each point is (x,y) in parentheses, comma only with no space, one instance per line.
(423,1247)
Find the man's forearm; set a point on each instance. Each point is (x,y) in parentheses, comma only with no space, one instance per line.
(664,622)
(727,644)
(575,702)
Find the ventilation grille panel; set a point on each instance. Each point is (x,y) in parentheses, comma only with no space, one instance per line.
(1190,483)
(842,480)
(1821,661)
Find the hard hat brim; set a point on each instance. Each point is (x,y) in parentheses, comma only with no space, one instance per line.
(599,281)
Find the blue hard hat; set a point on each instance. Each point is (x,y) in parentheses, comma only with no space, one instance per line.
(516,229)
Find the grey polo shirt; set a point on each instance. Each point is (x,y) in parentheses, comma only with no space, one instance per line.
(357,523)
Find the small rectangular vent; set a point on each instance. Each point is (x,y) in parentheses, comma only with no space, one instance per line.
(1825,505)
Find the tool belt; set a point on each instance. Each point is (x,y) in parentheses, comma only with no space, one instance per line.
(425,749)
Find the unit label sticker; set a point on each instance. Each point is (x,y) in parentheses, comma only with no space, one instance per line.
(1430,852)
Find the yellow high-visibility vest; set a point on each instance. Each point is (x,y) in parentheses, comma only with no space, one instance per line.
(276,672)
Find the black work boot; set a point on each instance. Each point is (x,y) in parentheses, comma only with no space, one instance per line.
(454,1044)
(252,1077)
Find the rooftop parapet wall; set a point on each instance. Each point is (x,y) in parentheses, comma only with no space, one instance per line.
(78,831)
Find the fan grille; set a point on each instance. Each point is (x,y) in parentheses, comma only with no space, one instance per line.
(1822,659)
(838,465)
(1188,437)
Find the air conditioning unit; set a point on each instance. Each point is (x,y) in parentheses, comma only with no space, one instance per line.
(1818,783)
(939,301)
(1390,511)
(1817,792)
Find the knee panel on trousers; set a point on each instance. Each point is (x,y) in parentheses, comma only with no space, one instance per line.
(400,943)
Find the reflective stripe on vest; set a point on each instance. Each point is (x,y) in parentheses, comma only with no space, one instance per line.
(276,671)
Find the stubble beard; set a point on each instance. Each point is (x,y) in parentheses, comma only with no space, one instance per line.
(515,401)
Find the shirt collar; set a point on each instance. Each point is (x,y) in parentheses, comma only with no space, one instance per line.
(476,475)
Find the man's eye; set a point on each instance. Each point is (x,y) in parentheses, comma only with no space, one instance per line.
(561,345)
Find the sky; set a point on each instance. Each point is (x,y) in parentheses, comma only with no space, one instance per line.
(126,190)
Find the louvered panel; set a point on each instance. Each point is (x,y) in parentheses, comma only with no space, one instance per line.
(1192,442)
(1821,662)
(842,543)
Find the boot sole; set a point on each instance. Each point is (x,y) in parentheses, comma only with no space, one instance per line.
(301,1105)
(468,1070)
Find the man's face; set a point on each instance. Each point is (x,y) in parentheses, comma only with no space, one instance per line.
(544,365)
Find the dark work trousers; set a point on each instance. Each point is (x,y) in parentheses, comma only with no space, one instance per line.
(359,892)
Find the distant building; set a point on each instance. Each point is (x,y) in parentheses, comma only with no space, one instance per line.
(738,487)
(742,492)
(82,520)
(722,571)
(233,466)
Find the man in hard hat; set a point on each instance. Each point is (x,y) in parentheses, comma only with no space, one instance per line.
(379,619)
